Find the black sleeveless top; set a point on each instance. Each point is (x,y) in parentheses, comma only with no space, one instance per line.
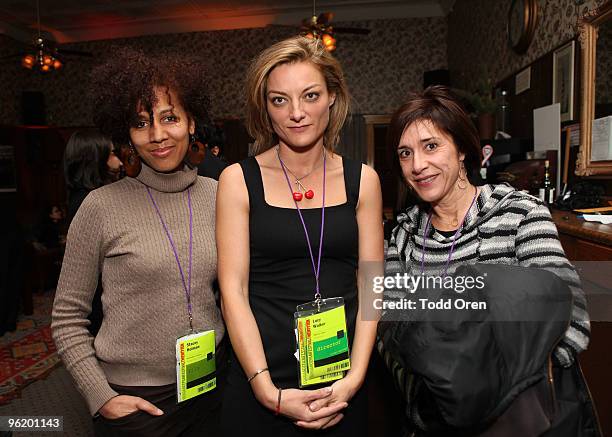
(281,275)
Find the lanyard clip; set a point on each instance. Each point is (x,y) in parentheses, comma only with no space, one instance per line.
(191,323)
(317,297)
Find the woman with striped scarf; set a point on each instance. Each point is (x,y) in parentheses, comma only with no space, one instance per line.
(455,222)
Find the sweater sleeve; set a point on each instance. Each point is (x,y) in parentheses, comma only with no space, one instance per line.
(538,245)
(73,299)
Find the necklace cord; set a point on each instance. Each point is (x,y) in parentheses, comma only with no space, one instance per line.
(298,181)
(452,249)
(186,286)
(316,269)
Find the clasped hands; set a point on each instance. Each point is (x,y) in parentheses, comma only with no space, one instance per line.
(316,409)
(311,409)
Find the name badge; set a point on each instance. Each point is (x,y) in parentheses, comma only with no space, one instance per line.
(323,348)
(195,365)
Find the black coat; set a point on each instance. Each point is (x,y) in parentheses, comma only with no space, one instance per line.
(211,166)
(489,372)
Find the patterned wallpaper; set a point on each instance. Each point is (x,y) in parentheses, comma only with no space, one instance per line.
(477,36)
(12,82)
(603,68)
(381,68)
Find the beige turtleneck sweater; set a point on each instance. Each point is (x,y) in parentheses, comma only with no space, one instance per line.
(116,232)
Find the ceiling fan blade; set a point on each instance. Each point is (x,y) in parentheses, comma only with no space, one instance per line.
(15,55)
(70,52)
(355,30)
(325,17)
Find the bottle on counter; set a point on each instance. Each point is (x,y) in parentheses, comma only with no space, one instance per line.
(503,112)
(547,191)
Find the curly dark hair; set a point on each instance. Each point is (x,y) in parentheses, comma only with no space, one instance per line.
(126,82)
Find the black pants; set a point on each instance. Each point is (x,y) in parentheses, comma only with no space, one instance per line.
(195,417)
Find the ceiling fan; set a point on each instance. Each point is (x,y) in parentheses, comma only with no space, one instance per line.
(320,27)
(43,55)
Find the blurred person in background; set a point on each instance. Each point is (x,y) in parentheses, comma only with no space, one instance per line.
(89,163)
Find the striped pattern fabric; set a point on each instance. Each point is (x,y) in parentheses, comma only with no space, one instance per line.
(504,226)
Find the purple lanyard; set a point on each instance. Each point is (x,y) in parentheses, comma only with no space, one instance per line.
(316,269)
(452,249)
(186,286)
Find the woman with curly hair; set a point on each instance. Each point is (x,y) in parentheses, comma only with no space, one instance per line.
(151,237)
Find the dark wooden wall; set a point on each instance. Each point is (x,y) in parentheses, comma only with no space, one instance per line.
(539,94)
(237,139)
(39,172)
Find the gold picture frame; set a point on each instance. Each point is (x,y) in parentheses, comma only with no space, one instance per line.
(588,28)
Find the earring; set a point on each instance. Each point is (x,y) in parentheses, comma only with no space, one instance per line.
(131,160)
(195,154)
(462,180)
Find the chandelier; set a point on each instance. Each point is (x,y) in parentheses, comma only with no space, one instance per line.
(42,58)
(319,28)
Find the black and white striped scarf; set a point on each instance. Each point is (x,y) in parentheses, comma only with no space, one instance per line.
(504,226)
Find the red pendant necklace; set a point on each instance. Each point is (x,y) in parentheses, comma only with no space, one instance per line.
(301,190)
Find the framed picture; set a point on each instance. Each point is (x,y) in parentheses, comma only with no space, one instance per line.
(563,80)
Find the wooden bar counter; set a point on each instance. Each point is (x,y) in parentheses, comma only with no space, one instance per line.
(589,241)
(582,240)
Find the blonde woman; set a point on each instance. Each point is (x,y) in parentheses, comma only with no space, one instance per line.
(273,210)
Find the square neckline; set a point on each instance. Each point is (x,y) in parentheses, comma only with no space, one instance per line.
(265,201)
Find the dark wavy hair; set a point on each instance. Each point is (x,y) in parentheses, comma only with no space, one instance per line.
(440,106)
(85,158)
(125,83)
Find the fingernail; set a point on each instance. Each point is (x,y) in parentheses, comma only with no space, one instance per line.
(328,389)
(160,412)
(311,407)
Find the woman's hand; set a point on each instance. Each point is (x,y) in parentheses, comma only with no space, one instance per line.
(295,404)
(342,391)
(122,405)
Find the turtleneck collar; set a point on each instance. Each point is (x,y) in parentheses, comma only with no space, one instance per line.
(167,182)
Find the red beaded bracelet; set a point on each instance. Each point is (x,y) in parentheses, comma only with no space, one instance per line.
(277,411)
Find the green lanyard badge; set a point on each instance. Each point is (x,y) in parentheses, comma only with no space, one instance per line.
(323,348)
(195,365)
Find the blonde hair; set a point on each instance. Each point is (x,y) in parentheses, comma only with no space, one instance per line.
(289,51)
